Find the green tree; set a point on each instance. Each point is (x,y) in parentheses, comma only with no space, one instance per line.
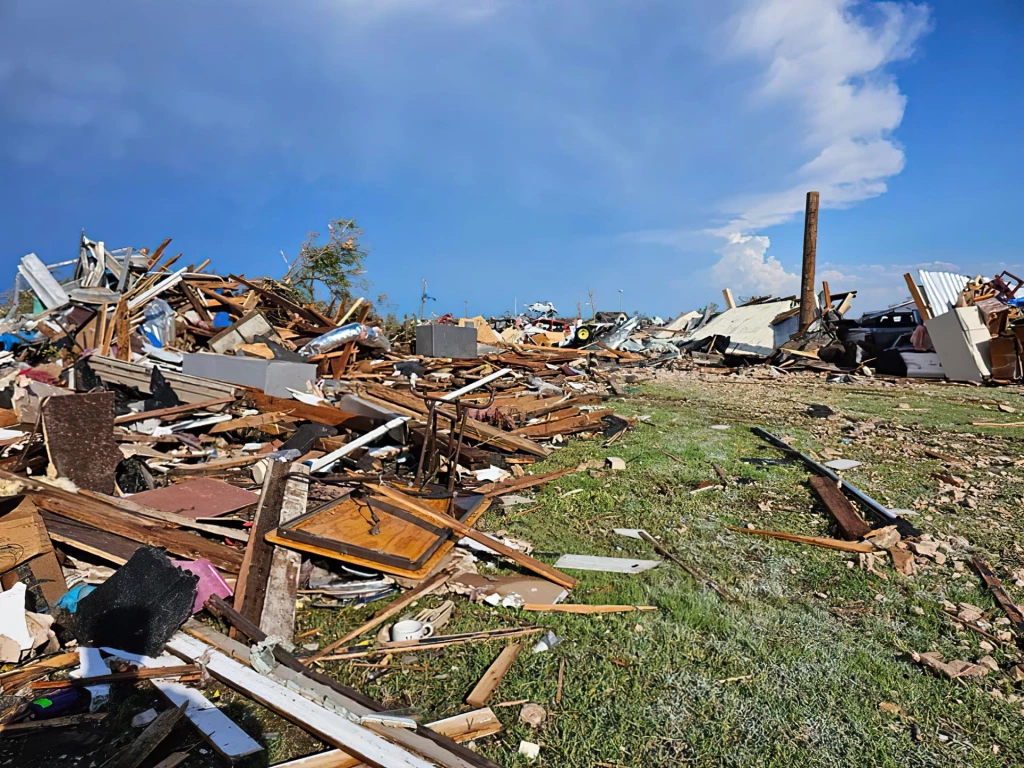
(334,266)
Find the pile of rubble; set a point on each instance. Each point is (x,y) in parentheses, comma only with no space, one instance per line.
(178,444)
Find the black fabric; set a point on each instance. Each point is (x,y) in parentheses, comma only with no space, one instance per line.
(161,394)
(306,435)
(139,607)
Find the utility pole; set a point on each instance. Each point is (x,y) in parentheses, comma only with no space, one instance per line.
(620,300)
(810,256)
(423,299)
(465,308)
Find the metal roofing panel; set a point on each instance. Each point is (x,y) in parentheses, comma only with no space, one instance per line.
(749,328)
(941,289)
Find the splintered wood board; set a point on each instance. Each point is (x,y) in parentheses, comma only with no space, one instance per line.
(423,571)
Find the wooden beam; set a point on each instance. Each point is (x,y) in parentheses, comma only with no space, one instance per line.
(915,294)
(730,302)
(174,410)
(1013,613)
(492,678)
(423,512)
(107,518)
(251,587)
(149,739)
(816,541)
(828,295)
(851,525)
(278,616)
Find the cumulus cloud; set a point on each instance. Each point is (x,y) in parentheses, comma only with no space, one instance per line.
(825,59)
(746,266)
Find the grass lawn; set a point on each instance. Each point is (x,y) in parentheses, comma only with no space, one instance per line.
(794,672)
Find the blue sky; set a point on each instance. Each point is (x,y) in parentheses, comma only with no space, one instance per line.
(522,148)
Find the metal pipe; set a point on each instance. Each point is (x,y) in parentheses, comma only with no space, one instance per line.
(883,513)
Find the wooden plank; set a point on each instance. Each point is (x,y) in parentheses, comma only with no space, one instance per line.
(697,575)
(216,728)
(492,678)
(491,490)
(122,330)
(180,521)
(28,726)
(248,422)
(149,739)
(409,504)
(851,525)
(585,609)
(107,518)
(392,609)
(179,670)
(328,726)
(587,422)
(216,466)
(322,414)
(13,680)
(278,616)
(251,587)
(816,541)
(1013,613)
(174,410)
(915,294)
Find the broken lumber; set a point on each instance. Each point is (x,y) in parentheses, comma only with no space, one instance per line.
(851,524)
(149,739)
(1013,613)
(492,678)
(816,541)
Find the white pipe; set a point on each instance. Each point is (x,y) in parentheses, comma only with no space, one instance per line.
(325,462)
(475,385)
(157,289)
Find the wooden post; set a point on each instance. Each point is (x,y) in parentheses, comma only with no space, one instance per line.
(828,296)
(810,256)
(730,303)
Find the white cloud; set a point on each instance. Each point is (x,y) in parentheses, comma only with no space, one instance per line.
(746,267)
(826,59)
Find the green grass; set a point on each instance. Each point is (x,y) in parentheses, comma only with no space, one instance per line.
(817,644)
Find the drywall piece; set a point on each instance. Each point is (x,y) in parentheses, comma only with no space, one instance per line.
(525,588)
(13,624)
(841,464)
(631,533)
(43,284)
(274,377)
(217,729)
(605,564)
(331,727)
(200,497)
(961,339)
(243,331)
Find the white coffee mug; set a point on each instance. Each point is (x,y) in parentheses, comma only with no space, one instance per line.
(411,630)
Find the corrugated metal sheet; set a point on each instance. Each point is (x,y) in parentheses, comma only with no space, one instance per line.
(941,289)
(750,328)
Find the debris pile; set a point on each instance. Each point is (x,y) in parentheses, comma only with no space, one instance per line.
(179,445)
